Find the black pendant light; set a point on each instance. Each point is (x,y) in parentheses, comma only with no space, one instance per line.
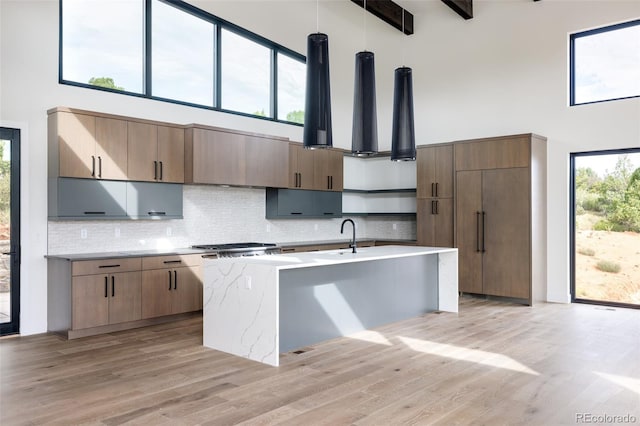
(403,137)
(364,136)
(403,134)
(317,111)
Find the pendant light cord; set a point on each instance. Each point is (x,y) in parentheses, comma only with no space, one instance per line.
(365,25)
(403,44)
(317,16)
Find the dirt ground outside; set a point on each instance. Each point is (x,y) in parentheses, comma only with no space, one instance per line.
(618,248)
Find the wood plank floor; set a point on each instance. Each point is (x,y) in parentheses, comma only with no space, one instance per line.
(493,363)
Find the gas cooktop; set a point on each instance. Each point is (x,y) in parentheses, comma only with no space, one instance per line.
(233,246)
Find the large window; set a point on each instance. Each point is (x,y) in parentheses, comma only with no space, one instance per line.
(182,55)
(246,75)
(605,63)
(173,51)
(103,44)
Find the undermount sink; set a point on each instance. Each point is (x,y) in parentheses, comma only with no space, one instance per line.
(346,251)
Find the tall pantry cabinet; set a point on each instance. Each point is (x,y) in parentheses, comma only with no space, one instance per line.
(500,226)
(435,196)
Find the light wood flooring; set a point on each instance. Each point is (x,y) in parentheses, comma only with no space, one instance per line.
(493,363)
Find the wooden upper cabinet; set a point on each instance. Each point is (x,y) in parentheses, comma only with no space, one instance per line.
(233,158)
(171,154)
(156,153)
(86,146)
(73,138)
(267,162)
(301,167)
(435,172)
(111,148)
(498,153)
(317,169)
(142,149)
(328,170)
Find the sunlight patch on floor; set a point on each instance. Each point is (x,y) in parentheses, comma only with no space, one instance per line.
(460,353)
(371,337)
(630,383)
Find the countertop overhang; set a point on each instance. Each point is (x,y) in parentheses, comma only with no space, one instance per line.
(336,257)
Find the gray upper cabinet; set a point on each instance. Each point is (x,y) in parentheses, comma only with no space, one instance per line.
(149,200)
(87,199)
(300,203)
(73,199)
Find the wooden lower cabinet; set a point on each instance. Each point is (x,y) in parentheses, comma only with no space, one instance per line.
(435,222)
(105,299)
(171,291)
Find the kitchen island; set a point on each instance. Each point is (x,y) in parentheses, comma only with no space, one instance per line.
(257,307)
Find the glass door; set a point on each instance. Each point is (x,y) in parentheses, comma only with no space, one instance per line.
(9,231)
(605,229)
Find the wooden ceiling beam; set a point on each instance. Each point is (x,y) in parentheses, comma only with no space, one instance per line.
(389,12)
(463,8)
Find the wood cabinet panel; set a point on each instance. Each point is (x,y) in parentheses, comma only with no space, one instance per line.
(90,301)
(188,290)
(335,169)
(105,266)
(301,167)
(105,299)
(504,152)
(435,172)
(125,297)
(75,137)
(507,242)
(267,162)
(171,261)
(171,154)
(111,148)
(435,222)
(468,230)
(142,147)
(157,287)
(216,157)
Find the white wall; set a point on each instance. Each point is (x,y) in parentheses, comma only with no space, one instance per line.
(503,72)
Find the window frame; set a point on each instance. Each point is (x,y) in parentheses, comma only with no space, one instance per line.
(572,59)
(219,23)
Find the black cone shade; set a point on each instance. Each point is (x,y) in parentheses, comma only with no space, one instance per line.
(317,111)
(403,137)
(365,121)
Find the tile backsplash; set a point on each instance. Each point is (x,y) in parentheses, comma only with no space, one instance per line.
(213,214)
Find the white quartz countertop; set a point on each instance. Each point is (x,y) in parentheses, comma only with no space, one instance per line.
(335,257)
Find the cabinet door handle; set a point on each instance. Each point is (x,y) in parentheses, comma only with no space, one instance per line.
(152,213)
(433,210)
(436,201)
(477,232)
(106,286)
(432,190)
(436,189)
(93,166)
(100,167)
(328,182)
(109,266)
(331,180)
(95,213)
(155,170)
(113,286)
(169,280)
(483,231)
(296,212)
(175,280)
(299,180)
(161,170)
(172,261)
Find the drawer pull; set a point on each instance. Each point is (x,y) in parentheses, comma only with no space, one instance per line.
(109,266)
(113,286)
(156,213)
(172,261)
(94,213)
(106,286)
(175,280)
(169,280)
